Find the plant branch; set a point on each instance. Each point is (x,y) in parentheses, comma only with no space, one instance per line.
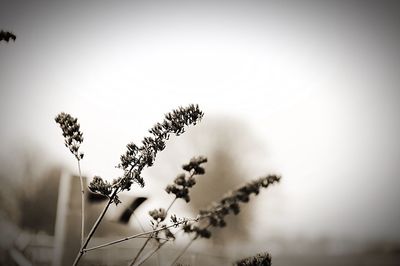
(170,205)
(137,235)
(160,245)
(151,253)
(140,251)
(147,241)
(94,228)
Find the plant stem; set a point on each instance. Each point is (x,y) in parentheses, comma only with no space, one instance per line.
(184,250)
(138,221)
(170,205)
(140,251)
(131,237)
(99,219)
(147,241)
(94,228)
(160,245)
(151,253)
(126,238)
(82,204)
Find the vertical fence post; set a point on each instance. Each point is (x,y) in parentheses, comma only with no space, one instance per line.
(61,217)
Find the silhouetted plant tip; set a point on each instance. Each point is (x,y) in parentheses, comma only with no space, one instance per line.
(183,182)
(98,185)
(73,137)
(229,204)
(194,164)
(6,36)
(136,158)
(261,259)
(158,214)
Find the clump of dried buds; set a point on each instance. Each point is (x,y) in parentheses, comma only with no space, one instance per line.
(215,215)
(180,189)
(71,133)
(136,158)
(98,185)
(158,214)
(183,182)
(259,259)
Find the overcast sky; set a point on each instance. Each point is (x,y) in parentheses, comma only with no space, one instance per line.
(316,83)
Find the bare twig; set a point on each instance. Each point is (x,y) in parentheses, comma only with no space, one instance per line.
(137,235)
(160,245)
(147,241)
(170,205)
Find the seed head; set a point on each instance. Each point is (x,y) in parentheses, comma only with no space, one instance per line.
(73,137)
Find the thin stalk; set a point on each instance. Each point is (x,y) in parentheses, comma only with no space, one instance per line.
(140,251)
(99,219)
(138,221)
(94,228)
(184,250)
(147,241)
(131,237)
(160,245)
(82,204)
(170,205)
(151,253)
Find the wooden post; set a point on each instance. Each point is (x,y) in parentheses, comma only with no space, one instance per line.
(61,217)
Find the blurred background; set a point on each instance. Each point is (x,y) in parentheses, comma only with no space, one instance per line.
(305,89)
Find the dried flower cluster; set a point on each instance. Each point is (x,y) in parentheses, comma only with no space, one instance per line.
(98,185)
(263,259)
(183,182)
(6,36)
(71,133)
(215,215)
(136,158)
(158,214)
(180,188)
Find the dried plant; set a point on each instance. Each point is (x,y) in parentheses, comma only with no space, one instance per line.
(214,215)
(261,259)
(73,139)
(6,36)
(132,163)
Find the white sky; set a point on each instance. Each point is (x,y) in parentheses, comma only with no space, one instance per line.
(317,85)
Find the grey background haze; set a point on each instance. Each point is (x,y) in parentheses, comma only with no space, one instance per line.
(317,83)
